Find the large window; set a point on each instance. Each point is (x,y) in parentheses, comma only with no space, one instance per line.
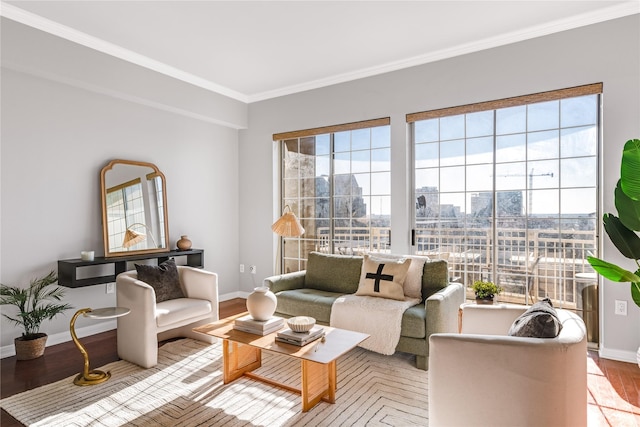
(507,191)
(338,181)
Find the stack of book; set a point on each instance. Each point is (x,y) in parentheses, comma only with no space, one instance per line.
(300,338)
(258,327)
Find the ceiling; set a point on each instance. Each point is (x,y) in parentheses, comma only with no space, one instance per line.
(255,50)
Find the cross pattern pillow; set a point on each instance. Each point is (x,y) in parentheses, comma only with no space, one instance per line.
(383,278)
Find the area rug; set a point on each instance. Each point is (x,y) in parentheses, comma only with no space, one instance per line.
(186,389)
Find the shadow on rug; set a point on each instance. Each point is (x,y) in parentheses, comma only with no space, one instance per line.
(185,389)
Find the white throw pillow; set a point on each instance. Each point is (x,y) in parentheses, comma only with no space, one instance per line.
(413,282)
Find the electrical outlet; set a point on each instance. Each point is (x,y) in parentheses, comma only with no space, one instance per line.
(621,308)
(241,268)
(252,269)
(111,288)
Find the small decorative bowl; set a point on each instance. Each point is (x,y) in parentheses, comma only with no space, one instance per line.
(301,323)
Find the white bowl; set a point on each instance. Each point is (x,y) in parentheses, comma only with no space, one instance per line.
(301,323)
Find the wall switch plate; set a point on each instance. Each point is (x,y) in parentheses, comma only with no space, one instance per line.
(241,268)
(111,288)
(252,269)
(621,308)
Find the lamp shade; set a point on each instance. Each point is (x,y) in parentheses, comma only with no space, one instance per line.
(131,238)
(288,225)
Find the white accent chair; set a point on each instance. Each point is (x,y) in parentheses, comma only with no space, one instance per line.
(483,377)
(148,322)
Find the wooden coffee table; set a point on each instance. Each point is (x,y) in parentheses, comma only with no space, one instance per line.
(242,353)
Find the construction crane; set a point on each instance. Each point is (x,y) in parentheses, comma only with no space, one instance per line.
(530,195)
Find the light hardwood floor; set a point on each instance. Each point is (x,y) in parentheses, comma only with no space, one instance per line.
(613,387)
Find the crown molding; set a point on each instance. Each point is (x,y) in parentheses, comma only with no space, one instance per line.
(613,12)
(68,33)
(627,8)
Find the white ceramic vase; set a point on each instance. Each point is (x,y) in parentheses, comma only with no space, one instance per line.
(261,303)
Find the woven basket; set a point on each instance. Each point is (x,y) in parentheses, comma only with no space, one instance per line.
(30,349)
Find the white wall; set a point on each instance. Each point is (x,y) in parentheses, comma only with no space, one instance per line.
(56,136)
(607,52)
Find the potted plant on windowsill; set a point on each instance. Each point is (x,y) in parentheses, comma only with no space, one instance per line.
(485,291)
(35,304)
(622,229)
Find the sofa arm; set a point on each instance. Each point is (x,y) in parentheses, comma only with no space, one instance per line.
(442,309)
(286,282)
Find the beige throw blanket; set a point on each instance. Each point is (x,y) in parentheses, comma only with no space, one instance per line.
(379,317)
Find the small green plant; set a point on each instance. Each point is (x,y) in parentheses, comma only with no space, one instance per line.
(34,303)
(486,290)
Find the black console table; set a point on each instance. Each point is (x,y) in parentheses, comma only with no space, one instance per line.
(67,268)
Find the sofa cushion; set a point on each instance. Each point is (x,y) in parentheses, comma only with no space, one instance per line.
(180,310)
(307,302)
(383,278)
(164,279)
(435,276)
(539,321)
(414,322)
(333,273)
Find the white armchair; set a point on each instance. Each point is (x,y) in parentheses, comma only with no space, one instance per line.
(148,322)
(484,377)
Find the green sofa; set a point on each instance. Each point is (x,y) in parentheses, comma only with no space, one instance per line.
(311,292)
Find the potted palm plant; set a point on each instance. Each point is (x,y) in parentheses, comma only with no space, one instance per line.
(35,304)
(485,291)
(622,229)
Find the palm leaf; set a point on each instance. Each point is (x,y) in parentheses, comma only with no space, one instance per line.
(612,271)
(630,169)
(628,209)
(627,242)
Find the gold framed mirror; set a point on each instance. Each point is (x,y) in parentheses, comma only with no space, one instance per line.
(134,208)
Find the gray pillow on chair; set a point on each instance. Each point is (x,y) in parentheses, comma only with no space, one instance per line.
(539,321)
(164,279)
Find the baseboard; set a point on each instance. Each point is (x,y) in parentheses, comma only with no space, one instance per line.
(233,295)
(60,337)
(96,328)
(619,355)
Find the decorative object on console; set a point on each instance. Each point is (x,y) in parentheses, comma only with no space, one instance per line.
(261,303)
(121,180)
(485,291)
(301,323)
(87,255)
(184,244)
(164,279)
(35,305)
(132,238)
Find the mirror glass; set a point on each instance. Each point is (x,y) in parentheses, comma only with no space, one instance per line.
(134,208)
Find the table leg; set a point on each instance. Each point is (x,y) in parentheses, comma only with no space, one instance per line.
(86,377)
(318,383)
(238,359)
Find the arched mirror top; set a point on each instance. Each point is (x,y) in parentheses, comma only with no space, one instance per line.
(134,208)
